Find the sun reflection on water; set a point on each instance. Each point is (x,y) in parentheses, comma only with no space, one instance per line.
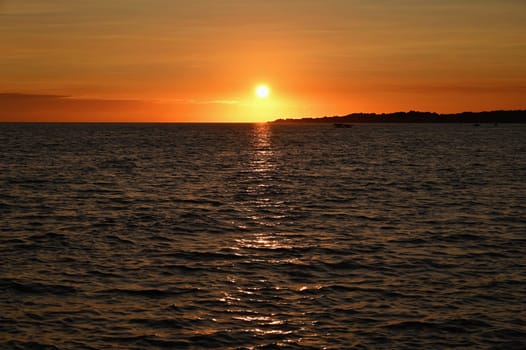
(263,241)
(253,298)
(261,162)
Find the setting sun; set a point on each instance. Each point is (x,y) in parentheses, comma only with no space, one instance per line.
(262,91)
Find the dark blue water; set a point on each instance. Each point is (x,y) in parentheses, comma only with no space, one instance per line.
(262,236)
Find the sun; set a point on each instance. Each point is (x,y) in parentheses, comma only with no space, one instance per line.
(262,91)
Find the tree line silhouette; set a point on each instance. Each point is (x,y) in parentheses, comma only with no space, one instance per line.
(512,116)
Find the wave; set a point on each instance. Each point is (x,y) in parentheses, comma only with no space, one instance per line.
(261,237)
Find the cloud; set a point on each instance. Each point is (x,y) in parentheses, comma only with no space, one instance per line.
(204,102)
(459,88)
(22,107)
(15,96)
(35,107)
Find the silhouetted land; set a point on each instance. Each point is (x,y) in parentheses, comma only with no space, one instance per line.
(518,116)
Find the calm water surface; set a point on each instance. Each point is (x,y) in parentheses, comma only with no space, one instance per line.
(262,236)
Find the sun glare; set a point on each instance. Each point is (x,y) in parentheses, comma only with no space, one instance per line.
(262,91)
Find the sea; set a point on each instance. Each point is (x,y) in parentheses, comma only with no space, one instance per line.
(262,236)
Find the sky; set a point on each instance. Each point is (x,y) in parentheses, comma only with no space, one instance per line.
(200,60)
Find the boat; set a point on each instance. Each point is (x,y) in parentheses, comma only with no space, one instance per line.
(340,125)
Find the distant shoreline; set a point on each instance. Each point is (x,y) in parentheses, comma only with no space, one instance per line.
(512,116)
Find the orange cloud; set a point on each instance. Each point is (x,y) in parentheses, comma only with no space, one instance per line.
(16,107)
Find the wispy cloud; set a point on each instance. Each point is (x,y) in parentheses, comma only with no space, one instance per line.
(204,102)
(460,88)
(22,107)
(16,107)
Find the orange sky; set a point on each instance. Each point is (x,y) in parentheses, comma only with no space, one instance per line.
(194,61)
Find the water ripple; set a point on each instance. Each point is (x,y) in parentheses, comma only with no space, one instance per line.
(262,237)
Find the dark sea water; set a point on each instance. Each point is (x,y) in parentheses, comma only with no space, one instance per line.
(261,236)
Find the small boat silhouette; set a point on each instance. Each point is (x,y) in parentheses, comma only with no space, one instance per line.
(340,125)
